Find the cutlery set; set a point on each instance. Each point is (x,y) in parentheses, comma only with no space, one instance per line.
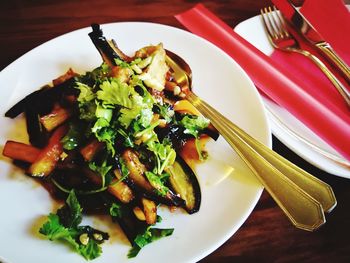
(272,171)
(277,24)
(310,34)
(302,197)
(280,38)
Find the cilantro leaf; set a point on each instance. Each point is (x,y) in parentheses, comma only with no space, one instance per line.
(104,112)
(102,170)
(150,235)
(165,111)
(164,153)
(157,182)
(73,137)
(86,94)
(139,110)
(146,117)
(64,227)
(105,132)
(128,115)
(54,230)
(116,210)
(86,99)
(91,250)
(114,92)
(70,214)
(87,111)
(194,124)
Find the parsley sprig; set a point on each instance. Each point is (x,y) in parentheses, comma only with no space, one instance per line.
(64,226)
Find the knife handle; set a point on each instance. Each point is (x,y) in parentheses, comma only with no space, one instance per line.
(335,59)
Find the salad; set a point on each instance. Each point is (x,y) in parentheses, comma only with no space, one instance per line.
(112,141)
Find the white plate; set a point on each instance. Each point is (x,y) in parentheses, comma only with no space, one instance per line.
(281,120)
(229,190)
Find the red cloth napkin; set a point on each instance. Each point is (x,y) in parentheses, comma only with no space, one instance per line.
(332,125)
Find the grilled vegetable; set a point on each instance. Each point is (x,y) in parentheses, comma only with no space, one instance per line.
(46,161)
(107,52)
(111,138)
(91,149)
(184,183)
(120,189)
(43,99)
(132,226)
(55,118)
(150,210)
(140,182)
(38,104)
(117,187)
(37,133)
(20,151)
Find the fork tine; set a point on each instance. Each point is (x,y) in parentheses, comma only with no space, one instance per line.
(267,24)
(281,22)
(275,21)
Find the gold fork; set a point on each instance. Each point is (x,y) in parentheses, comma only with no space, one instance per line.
(281,39)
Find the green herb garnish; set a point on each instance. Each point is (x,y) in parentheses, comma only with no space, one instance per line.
(64,226)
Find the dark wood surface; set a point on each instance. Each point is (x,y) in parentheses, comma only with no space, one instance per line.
(267,236)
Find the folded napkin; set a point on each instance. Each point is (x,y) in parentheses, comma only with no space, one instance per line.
(332,125)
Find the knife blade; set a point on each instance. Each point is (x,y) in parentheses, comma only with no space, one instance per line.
(305,28)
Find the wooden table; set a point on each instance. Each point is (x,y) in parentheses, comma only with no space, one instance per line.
(267,236)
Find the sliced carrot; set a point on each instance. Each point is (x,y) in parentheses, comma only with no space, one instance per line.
(20,151)
(46,161)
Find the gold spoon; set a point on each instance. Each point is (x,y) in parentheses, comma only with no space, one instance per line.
(302,197)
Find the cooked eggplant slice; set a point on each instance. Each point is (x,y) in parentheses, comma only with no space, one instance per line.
(55,118)
(37,133)
(212,132)
(20,106)
(174,133)
(48,158)
(129,222)
(107,52)
(118,189)
(43,100)
(138,181)
(184,183)
(150,210)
